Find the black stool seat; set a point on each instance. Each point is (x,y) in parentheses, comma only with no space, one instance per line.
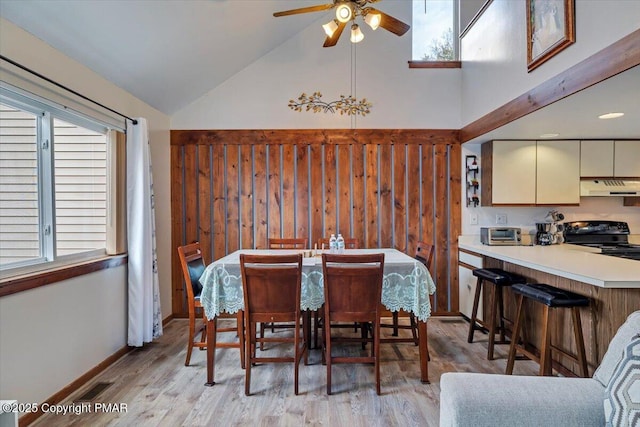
(550,296)
(498,276)
(500,279)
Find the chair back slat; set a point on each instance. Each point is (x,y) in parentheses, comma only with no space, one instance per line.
(289,243)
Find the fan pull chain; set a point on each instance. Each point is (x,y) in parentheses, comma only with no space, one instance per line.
(354,69)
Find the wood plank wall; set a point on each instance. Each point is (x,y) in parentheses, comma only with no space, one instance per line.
(234,189)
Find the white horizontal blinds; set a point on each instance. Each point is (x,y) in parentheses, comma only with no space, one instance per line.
(80,158)
(19,230)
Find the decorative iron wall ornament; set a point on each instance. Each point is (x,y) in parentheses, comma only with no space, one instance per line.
(348,105)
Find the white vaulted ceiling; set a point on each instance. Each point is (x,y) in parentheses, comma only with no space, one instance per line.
(167,53)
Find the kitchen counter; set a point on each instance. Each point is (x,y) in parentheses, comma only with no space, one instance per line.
(569,261)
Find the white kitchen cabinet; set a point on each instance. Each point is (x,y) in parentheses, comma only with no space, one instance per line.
(558,173)
(467,262)
(596,159)
(510,168)
(530,173)
(610,159)
(627,159)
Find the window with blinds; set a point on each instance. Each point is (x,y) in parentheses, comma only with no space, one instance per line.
(19,219)
(53,186)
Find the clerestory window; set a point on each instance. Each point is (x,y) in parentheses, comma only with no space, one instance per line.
(435,30)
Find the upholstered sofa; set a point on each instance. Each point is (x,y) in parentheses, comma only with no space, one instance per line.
(469,399)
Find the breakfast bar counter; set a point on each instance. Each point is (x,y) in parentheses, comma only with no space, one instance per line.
(612,284)
(573,262)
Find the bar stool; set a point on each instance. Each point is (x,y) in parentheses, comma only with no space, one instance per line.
(549,297)
(499,278)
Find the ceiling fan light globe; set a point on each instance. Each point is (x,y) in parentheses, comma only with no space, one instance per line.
(356,34)
(344,12)
(330,27)
(373,20)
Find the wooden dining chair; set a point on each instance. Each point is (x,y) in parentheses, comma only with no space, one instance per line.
(288,243)
(349,243)
(424,254)
(352,293)
(272,287)
(193,266)
(281,243)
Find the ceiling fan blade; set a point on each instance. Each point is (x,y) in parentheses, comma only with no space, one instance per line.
(392,24)
(318,8)
(331,41)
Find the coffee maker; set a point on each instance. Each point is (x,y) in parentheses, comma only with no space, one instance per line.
(543,233)
(549,233)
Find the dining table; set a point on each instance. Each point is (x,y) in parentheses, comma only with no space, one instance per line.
(406,286)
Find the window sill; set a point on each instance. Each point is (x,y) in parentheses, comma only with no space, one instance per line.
(435,64)
(25,282)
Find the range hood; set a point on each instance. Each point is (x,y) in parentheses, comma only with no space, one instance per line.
(610,187)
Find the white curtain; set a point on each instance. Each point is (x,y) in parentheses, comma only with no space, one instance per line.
(145,317)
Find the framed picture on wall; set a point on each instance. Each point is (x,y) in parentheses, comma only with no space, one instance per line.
(550,29)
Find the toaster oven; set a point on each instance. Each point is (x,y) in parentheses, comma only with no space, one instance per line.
(497,236)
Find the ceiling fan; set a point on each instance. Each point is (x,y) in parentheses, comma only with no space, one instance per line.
(348,10)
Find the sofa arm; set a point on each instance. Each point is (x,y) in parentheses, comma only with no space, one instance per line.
(479,400)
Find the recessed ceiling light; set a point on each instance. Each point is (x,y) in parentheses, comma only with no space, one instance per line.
(549,135)
(611,116)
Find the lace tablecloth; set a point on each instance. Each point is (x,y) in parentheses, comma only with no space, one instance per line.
(407,283)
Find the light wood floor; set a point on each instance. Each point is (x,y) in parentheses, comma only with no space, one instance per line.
(159,390)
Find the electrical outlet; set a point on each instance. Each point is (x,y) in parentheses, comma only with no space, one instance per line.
(473,218)
(501,219)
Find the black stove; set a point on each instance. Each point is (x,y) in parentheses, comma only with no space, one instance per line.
(611,237)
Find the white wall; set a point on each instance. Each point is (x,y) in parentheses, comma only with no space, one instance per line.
(257,97)
(52,335)
(494,51)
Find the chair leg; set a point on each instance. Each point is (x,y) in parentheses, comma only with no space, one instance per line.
(203,336)
(241,336)
(545,347)
(493,304)
(500,291)
(306,334)
(395,322)
(262,327)
(364,334)
(414,328)
(515,337)
(323,344)
(327,352)
(474,311)
(577,327)
(296,351)
(249,341)
(192,330)
(306,324)
(376,346)
(316,319)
